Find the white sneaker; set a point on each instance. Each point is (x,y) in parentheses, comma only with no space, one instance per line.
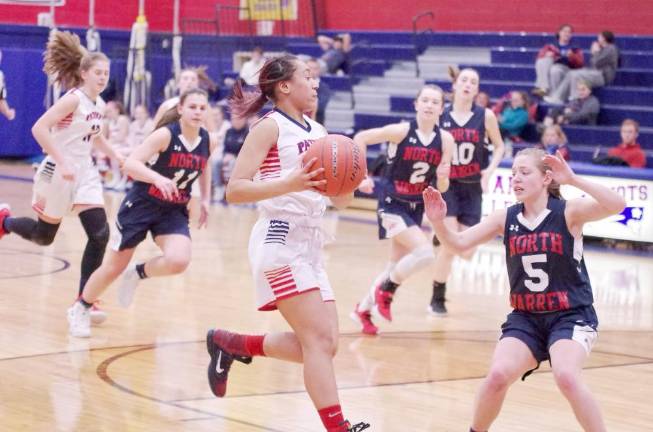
(127,287)
(98,316)
(79,321)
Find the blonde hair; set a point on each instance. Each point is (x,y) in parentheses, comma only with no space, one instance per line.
(204,80)
(538,156)
(559,132)
(65,58)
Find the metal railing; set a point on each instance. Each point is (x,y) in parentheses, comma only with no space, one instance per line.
(417,34)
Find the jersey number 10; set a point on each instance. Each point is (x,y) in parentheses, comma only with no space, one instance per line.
(463,153)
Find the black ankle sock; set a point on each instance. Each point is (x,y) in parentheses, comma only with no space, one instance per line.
(140,269)
(439,290)
(84,303)
(389,286)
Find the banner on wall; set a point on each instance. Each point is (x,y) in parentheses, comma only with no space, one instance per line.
(634,223)
(268,10)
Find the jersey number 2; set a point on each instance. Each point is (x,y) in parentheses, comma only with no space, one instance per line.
(180,174)
(539,279)
(419,172)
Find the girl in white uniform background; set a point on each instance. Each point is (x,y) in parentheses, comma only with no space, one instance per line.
(67,179)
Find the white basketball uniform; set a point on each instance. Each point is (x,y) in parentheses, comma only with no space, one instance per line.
(285,246)
(52,195)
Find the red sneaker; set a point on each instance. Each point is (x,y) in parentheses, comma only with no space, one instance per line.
(364,318)
(4,213)
(383,300)
(219,344)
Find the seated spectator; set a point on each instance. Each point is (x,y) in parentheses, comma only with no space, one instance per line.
(139,128)
(629,151)
(553,140)
(482,100)
(555,60)
(249,71)
(233,141)
(323,92)
(604,63)
(584,110)
(5,109)
(117,132)
(336,53)
(513,116)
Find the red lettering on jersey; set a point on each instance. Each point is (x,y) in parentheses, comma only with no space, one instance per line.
(556,243)
(532,243)
(540,302)
(406,188)
(458,171)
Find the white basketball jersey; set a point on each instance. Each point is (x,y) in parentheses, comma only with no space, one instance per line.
(74,134)
(283,158)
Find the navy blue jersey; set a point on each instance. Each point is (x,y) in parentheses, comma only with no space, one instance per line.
(182,162)
(411,167)
(468,153)
(545,262)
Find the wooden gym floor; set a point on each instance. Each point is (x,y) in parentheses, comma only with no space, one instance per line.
(144,369)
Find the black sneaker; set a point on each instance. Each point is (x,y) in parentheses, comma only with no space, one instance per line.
(358,427)
(220,364)
(438,308)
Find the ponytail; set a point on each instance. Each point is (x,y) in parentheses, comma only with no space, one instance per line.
(65,58)
(244,103)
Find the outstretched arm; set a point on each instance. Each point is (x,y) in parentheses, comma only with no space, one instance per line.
(600,203)
(436,210)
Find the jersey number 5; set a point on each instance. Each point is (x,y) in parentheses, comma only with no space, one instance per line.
(463,153)
(539,279)
(181,184)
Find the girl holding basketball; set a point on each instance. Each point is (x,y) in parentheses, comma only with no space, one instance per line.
(285,247)
(553,317)
(469,124)
(156,204)
(419,154)
(67,179)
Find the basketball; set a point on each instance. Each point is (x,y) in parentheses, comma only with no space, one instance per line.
(343,162)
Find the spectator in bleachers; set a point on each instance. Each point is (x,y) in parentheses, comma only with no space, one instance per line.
(555,60)
(233,142)
(335,57)
(140,127)
(220,124)
(583,110)
(323,91)
(603,69)
(553,140)
(117,132)
(629,149)
(482,99)
(5,109)
(513,116)
(250,69)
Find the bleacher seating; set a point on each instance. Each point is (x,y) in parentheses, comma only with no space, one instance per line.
(376,56)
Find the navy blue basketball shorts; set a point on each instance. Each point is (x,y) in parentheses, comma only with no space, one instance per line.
(541,330)
(394,216)
(464,202)
(138,215)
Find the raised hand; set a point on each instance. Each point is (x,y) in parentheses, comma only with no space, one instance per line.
(434,205)
(303,178)
(560,170)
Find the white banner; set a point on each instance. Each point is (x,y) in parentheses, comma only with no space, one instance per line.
(634,223)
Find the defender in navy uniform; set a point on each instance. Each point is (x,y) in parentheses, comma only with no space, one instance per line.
(553,317)
(468,124)
(156,204)
(419,155)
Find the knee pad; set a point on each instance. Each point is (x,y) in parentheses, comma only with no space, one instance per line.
(95,225)
(44,233)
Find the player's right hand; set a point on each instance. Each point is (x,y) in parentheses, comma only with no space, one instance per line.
(367,185)
(304,178)
(66,172)
(167,187)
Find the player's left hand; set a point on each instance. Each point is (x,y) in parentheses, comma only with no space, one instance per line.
(204,214)
(560,171)
(485,180)
(434,205)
